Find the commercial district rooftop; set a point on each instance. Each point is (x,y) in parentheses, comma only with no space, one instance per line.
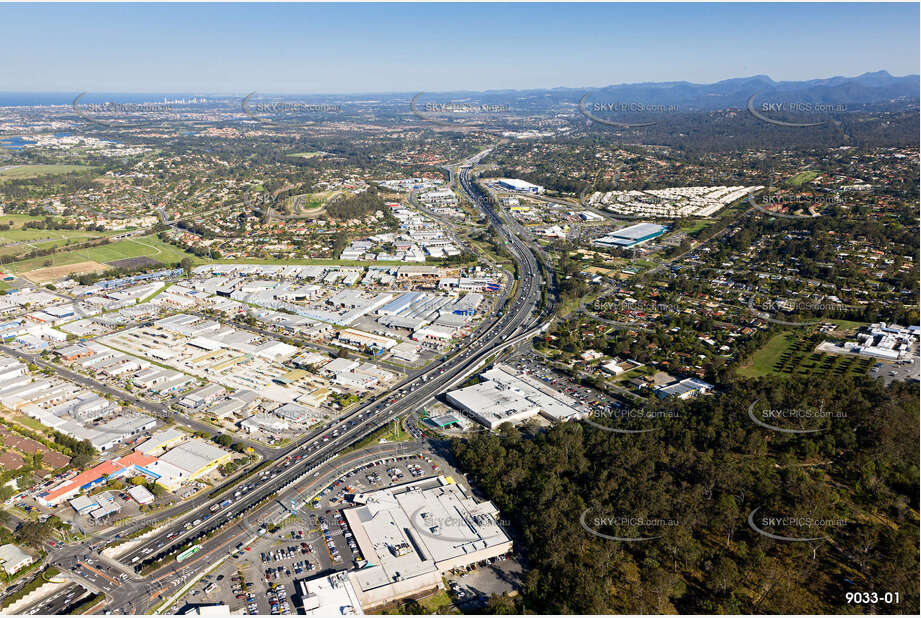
(510,397)
(413,534)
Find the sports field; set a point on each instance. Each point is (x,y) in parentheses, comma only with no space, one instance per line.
(143,246)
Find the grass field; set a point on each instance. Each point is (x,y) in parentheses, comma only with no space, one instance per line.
(846,325)
(18,242)
(789,354)
(763,359)
(33,234)
(693,226)
(297,262)
(305,155)
(16,221)
(144,246)
(35,171)
(643,264)
(10,251)
(385,433)
(152,247)
(31,423)
(438,603)
(802,178)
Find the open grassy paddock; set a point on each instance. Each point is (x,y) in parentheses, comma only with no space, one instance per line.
(305,155)
(16,221)
(802,178)
(14,172)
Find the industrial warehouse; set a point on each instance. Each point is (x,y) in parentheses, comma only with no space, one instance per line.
(68,408)
(507,396)
(631,236)
(518,185)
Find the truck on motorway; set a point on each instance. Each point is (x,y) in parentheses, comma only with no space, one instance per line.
(217,507)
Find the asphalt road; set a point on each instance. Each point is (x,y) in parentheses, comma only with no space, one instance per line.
(138,594)
(229,524)
(56,603)
(322,444)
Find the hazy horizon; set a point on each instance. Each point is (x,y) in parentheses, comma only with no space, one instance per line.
(191,93)
(309,49)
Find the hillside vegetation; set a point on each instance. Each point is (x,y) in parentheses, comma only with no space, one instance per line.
(699,477)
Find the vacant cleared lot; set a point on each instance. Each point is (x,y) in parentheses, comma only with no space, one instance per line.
(692,226)
(307,204)
(763,360)
(53,273)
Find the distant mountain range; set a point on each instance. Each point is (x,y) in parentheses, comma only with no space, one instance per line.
(870,88)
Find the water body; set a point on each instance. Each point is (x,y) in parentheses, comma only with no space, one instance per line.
(28,99)
(15,143)
(31,99)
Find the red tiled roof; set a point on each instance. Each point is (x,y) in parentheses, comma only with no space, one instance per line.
(102,470)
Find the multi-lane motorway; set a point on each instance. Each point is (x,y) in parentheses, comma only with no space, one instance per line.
(326,443)
(58,603)
(218,531)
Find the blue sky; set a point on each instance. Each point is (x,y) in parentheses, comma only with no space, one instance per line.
(348,48)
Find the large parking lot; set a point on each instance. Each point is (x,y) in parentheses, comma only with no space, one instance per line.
(903,371)
(471,589)
(533,365)
(236,584)
(337,548)
(262,579)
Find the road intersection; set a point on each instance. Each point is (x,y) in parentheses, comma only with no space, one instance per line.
(147,575)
